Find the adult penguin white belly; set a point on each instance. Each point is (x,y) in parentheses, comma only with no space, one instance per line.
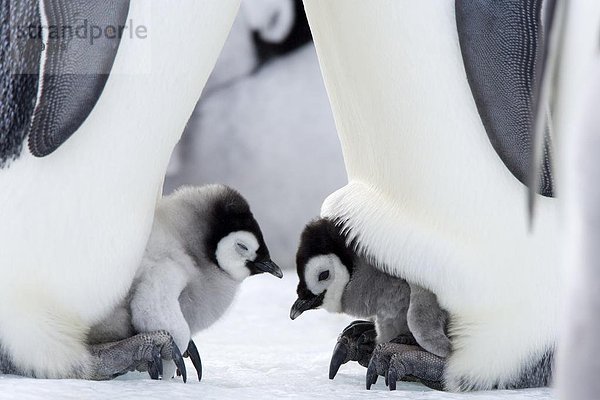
(434,194)
(79,186)
(577,93)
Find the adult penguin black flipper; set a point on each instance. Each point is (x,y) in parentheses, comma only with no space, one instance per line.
(504,69)
(19,63)
(84,37)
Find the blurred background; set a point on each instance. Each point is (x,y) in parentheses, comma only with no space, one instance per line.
(264,125)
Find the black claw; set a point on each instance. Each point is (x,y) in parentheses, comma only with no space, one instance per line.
(178,360)
(392,378)
(192,352)
(340,352)
(371,375)
(155,369)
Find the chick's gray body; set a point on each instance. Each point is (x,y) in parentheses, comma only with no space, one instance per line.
(371,294)
(398,309)
(180,285)
(173,292)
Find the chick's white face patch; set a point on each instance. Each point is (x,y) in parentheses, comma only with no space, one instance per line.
(234,250)
(327,273)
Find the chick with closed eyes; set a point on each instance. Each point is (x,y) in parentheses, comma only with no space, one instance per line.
(204,243)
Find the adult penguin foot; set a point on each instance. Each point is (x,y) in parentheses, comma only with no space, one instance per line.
(397,362)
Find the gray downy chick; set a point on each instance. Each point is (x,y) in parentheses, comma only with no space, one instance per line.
(335,278)
(204,243)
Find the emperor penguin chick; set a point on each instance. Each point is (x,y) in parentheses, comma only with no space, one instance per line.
(204,243)
(332,276)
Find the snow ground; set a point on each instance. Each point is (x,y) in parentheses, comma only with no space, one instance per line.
(255,352)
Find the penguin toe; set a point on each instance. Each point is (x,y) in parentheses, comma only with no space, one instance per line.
(141,352)
(355,343)
(357,328)
(153,349)
(194,355)
(155,367)
(401,362)
(338,358)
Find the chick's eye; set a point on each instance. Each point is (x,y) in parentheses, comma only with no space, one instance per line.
(242,247)
(323,276)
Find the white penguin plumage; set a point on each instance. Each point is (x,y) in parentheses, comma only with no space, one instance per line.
(429,198)
(576,95)
(75,222)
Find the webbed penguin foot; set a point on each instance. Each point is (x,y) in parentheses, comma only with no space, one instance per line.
(398,362)
(355,343)
(142,352)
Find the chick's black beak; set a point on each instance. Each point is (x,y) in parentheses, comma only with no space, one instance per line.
(267,266)
(302,305)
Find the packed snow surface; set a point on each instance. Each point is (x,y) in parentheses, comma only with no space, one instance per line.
(255,352)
